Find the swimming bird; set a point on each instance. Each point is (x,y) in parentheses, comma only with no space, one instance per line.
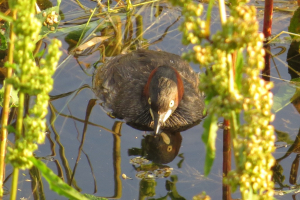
(150,90)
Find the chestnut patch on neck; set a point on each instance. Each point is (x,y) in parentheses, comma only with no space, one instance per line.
(179,86)
(146,88)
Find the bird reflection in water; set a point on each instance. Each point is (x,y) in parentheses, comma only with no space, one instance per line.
(150,90)
(160,149)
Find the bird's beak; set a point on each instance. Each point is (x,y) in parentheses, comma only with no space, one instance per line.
(159,119)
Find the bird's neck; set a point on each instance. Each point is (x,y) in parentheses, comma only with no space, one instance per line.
(164,72)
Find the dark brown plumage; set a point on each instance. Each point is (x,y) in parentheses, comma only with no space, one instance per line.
(131,85)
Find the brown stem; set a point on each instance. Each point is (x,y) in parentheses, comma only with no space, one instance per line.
(267,70)
(117,160)
(267,30)
(5,110)
(268,16)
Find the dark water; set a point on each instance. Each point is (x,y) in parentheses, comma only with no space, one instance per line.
(103,156)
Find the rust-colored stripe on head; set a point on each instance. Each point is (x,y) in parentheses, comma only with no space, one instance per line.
(146,88)
(180,87)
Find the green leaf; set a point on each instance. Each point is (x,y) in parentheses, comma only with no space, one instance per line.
(283,137)
(4,35)
(238,69)
(40,54)
(14,98)
(42,16)
(179,164)
(55,183)
(287,92)
(3,42)
(207,100)
(11,129)
(295,23)
(209,139)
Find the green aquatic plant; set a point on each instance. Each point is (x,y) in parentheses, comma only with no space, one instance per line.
(233,58)
(28,79)
(34,81)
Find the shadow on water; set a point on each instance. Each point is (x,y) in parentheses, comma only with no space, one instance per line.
(107,158)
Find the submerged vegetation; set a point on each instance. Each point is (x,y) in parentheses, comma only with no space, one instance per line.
(232,58)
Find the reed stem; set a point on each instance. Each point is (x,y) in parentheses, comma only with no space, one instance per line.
(5,109)
(14,184)
(222,11)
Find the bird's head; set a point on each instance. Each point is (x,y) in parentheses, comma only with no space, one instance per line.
(164,91)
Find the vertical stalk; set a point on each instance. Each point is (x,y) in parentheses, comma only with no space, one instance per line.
(14,184)
(5,109)
(226,159)
(209,9)
(232,122)
(222,11)
(139,27)
(266,72)
(231,79)
(268,16)
(231,74)
(228,134)
(117,159)
(267,30)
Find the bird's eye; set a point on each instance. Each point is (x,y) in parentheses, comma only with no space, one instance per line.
(149,100)
(171,103)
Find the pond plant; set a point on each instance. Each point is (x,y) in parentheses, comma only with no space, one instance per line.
(232,57)
(30,80)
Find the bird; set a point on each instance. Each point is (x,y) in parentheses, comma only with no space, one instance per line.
(160,149)
(163,148)
(150,90)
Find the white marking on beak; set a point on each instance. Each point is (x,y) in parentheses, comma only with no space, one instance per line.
(157,128)
(167,115)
